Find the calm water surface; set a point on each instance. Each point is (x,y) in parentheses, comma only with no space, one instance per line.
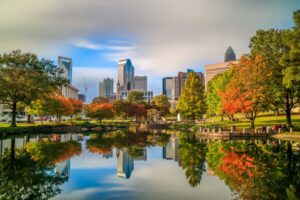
(122,165)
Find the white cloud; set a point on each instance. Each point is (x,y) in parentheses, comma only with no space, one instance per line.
(79,42)
(167,36)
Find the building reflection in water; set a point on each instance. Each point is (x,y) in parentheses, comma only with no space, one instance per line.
(170,151)
(63,168)
(125,164)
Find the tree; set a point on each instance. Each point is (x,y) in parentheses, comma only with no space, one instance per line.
(280,50)
(64,107)
(25,178)
(100,100)
(162,104)
(122,108)
(192,103)
(135,97)
(216,85)
(249,91)
(24,78)
(100,111)
(77,106)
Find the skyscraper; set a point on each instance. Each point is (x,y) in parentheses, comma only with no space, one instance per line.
(229,55)
(66,64)
(106,87)
(170,87)
(140,83)
(125,75)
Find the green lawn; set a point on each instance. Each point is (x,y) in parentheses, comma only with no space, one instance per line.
(261,120)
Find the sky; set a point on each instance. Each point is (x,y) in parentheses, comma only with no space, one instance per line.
(161,37)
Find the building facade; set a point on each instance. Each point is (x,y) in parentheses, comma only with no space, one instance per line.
(69,91)
(66,64)
(125,75)
(140,83)
(212,70)
(106,87)
(170,88)
(148,95)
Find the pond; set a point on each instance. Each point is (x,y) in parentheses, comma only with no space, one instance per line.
(157,165)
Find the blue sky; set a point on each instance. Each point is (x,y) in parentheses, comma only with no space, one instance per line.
(160,37)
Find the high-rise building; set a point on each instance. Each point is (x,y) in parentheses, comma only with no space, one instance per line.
(67,90)
(106,87)
(125,75)
(212,70)
(148,95)
(66,64)
(229,55)
(140,83)
(170,87)
(170,151)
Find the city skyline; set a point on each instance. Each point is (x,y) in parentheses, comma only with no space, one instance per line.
(186,38)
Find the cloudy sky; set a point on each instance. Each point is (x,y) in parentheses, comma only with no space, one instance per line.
(161,37)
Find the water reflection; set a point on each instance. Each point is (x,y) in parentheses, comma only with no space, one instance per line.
(40,166)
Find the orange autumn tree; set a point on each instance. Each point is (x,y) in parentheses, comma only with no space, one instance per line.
(100,111)
(249,91)
(77,106)
(64,107)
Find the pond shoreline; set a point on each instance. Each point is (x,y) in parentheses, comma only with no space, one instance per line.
(285,136)
(11,131)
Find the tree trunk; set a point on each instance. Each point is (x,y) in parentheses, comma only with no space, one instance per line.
(288,117)
(288,107)
(14,113)
(252,123)
(28,118)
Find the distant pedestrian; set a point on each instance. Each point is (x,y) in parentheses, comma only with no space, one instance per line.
(275,128)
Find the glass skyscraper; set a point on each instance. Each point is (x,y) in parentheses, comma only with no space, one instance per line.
(125,75)
(66,64)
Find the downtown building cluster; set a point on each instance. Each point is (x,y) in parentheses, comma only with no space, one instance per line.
(172,86)
(127,81)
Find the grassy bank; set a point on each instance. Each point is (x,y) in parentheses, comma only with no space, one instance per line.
(48,127)
(261,120)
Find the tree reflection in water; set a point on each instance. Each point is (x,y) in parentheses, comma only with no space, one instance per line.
(257,170)
(192,157)
(29,173)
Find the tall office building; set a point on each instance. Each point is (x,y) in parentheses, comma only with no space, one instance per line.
(229,55)
(125,164)
(170,87)
(67,90)
(106,87)
(171,150)
(125,75)
(66,64)
(212,70)
(140,83)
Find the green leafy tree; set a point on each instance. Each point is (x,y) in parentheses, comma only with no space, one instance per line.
(24,78)
(162,104)
(280,50)
(192,103)
(135,97)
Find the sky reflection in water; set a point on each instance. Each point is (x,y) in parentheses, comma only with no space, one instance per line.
(152,166)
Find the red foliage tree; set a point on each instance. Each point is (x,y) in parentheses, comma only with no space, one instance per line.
(249,91)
